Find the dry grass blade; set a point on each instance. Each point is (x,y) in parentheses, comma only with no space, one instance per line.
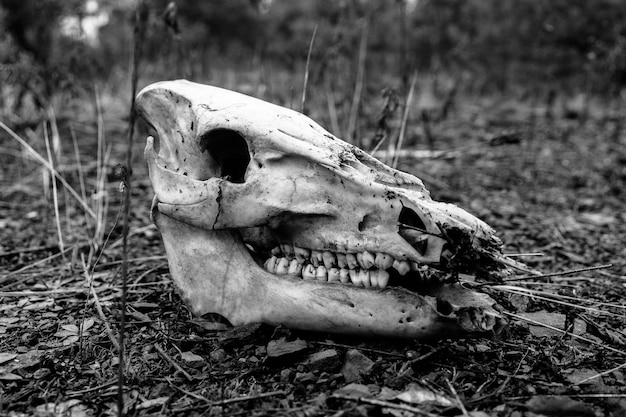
(306,69)
(55,194)
(50,168)
(558,274)
(552,299)
(358,86)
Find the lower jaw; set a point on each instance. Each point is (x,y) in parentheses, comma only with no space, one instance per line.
(214,273)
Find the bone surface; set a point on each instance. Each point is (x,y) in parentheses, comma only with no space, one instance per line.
(267,217)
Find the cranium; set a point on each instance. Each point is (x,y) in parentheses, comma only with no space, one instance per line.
(267,217)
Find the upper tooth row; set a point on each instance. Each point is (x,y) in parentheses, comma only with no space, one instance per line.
(360,277)
(363,260)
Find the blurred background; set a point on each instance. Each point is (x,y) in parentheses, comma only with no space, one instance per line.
(557,53)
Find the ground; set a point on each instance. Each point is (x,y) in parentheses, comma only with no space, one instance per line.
(550,181)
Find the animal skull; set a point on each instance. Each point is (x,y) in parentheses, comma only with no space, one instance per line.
(267,217)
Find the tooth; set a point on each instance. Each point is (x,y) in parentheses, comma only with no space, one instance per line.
(374,278)
(321,274)
(329,259)
(359,259)
(383,278)
(352,262)
(277,251)
(295,268)
(341,260)
(364,276)
(270,264)
(344,275)
(383,261)
(368,260)
(302,254)
(354,277)
(308,272)
(282,266)
(333,274)
(287,250)
(401,266)
(316,258)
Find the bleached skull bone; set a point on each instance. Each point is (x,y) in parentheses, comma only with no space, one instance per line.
(267,217)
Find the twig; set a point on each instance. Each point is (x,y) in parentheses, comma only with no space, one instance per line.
(173,362)
(458,399)
(617,368)
(405,117)
(558,274)
(141,17)
(96,388)
(229,401)
(381,403)
(575,336)
(96,300)
(191,394)
(306,69)
(381,352)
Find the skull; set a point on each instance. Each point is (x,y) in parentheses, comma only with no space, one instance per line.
(267,217)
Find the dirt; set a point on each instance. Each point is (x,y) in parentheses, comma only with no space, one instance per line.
(552,186)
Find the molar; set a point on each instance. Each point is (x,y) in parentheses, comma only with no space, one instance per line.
(341,260)
(287,250)
(316,258)
(295,268)
(308,272)
(352,261)
(282,267)
(383,261)
(270,264)
(344,275)
(302,254)
(333,274)
(329,259)
(368,260)
(277,251)
(364,277)
(321,274)
(401,266)
(382,278)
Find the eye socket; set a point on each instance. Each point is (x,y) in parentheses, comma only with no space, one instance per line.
(412,230)
(230,151)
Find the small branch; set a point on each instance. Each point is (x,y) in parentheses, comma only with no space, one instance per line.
(230,401)
(387,404)
(556,329)
(458,399)
(173,362)
(559,274)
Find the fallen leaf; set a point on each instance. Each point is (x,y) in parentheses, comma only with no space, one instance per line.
(354,390)
(356,365)
(5,357)
(191,357)
(556,320)
(282,348)
(558,406)
(419,395)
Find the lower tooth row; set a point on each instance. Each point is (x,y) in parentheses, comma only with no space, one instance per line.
(377,278)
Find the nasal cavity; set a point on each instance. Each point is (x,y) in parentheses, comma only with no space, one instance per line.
(412,229)
(230,152)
